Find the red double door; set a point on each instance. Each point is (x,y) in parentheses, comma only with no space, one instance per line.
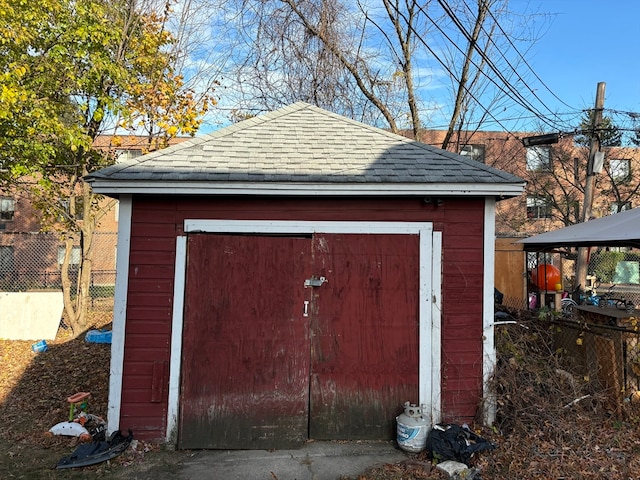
(289,338)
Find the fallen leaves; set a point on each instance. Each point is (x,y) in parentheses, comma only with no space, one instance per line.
(540,431)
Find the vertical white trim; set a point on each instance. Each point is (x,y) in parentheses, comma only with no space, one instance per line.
(489,348)
(425,339)
(176,339)
(119,313)
(436,329)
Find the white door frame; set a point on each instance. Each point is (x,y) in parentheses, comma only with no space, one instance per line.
(429,304)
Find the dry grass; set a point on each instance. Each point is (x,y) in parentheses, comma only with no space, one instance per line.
(33,392)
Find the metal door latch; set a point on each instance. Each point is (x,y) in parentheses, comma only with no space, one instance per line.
(315,281)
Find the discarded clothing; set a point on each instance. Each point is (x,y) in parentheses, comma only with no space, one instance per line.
(97,452)
(453,442)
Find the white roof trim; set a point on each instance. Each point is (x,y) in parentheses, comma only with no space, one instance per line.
(112,187)
(302,227)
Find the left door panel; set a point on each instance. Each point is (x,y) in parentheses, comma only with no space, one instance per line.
(245,354)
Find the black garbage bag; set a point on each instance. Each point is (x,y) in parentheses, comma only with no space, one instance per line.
(455,442)
(97,451)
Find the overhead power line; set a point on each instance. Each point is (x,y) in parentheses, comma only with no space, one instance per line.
(526,63)
(453,75)
(515,94)
(521,101)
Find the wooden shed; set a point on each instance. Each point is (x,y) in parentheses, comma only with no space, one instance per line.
(299,275)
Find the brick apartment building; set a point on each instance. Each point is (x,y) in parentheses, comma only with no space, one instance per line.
(555,176)
(553,198)
(30,257)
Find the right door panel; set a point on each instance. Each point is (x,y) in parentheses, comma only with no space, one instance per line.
(364,328)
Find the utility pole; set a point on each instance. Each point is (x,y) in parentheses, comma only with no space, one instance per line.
(594,148)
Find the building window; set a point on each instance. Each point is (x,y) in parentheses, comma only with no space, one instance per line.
(620,207)
(7,208)
(538,158)
(476,152)
(75,256)
(620,170)
(6,259)
(538,207)
(67,213)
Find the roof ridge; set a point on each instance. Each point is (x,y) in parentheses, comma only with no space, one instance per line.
(256,120)
(430,148)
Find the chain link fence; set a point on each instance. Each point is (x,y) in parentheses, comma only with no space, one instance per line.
(611,272)
(32,261)
(615,273)
(608,358)
(595,330)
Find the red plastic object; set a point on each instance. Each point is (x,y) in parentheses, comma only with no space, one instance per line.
(546,276)
(78,397)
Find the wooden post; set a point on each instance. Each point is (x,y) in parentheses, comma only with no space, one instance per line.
(594,147)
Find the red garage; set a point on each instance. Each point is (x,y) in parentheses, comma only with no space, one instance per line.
(296,276)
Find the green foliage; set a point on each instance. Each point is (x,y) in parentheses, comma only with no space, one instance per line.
(73,70)
(603,264)
(609,134)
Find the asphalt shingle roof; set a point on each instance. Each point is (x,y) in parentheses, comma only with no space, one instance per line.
(303,143)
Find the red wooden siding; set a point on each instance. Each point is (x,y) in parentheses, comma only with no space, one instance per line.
(462,328)
(148,327)
(157,221)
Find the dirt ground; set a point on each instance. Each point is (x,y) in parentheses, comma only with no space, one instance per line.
(33,392)
(538,436)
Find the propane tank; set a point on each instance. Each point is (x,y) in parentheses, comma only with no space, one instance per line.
(413,428)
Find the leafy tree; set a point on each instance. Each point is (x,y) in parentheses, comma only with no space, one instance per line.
(603,264)
(610,135)
(73,70)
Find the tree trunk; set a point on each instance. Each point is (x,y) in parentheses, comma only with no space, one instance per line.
(69,292)
(463,86)
(352,68)
(77,294)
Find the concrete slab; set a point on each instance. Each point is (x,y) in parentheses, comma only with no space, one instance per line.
(30,315)
(314,461)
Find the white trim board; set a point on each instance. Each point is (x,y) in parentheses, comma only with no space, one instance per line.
(429,376)
(436,330)
(119,313)
(176,340)
(302,227)
(180,187)
(488,334)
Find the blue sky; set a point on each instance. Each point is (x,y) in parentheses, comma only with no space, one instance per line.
(589,41)
(580,43)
